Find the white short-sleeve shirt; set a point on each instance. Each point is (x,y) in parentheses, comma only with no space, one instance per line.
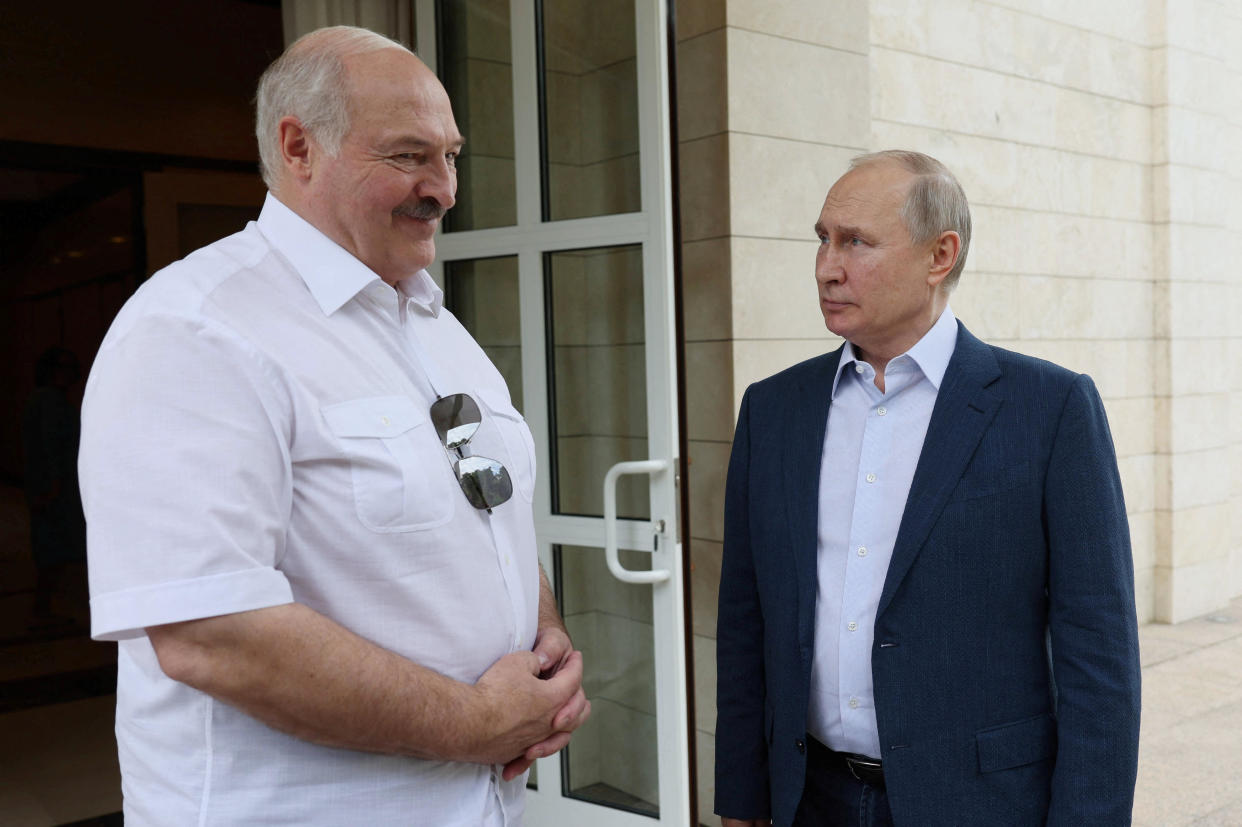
(255,432)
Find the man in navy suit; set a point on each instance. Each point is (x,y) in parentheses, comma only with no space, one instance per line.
(927,592)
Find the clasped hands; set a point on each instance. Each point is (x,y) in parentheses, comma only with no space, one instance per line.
(533,702)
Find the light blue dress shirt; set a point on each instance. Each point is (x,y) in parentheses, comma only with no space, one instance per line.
(871,447)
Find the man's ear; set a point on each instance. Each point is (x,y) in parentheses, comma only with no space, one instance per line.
(944,252)
(297,148)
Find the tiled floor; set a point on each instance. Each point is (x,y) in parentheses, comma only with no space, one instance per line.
(1190,753)
(58,764)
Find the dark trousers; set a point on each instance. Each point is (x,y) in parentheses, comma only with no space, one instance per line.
(833,797)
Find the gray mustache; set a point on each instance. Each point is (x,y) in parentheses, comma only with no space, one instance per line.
(425,210)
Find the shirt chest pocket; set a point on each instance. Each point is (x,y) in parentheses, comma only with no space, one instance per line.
(519,445)
(402,478)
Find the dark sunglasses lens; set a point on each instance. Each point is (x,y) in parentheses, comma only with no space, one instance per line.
(485,481)
(456,419)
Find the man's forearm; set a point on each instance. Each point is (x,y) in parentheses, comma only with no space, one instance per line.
(300,672)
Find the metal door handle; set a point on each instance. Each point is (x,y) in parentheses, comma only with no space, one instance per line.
(644,466)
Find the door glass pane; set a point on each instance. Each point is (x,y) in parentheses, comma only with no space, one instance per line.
(597,388)
(483,294)
(589,91)
(613,759)
(477,70)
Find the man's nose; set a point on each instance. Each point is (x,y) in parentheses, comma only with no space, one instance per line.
(439,183)
(827,264)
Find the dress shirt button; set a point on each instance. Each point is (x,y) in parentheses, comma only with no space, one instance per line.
(871,478)
(853,703)
(385,420)
(800,745)
(858,368)
(880,411)
(853,627)
(862,551)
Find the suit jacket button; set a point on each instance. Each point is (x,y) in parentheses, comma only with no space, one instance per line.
(801,745)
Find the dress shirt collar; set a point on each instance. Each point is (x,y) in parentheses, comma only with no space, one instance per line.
(332,274)
(931,353)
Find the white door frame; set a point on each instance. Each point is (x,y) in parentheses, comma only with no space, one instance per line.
(529,239)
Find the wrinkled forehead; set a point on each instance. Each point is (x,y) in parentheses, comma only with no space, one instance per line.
(388,80)
(873,191)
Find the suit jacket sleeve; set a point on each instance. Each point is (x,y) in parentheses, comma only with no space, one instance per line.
(1092,625)
(742,786)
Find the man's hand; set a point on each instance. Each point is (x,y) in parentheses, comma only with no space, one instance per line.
(303,674)
(521,708)
(554,650)
(746,822)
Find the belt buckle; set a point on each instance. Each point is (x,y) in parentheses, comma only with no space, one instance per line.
(869,768)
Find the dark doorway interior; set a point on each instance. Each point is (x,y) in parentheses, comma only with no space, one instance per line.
(126,142)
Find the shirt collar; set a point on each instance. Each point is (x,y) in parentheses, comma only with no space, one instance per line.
(331,273)
(931,353)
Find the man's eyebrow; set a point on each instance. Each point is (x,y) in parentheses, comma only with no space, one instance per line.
(422,143)
(840,229)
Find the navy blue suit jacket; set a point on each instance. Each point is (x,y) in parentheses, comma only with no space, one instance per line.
(1005,661)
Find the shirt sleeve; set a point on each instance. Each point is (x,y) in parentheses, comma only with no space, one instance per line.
(185,477)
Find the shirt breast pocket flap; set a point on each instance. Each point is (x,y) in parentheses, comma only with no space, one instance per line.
(1017,743)
(401,474)
(518,442)
(984,482)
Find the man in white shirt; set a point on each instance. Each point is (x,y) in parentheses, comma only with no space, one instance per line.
(308,494)
(927,592)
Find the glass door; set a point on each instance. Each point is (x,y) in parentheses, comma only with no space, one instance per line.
(558,259)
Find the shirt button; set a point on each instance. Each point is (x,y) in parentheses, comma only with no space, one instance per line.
(853,627)
(871,478)
(862,551)
(858,368)
(385,420)
(853,703)
(880,411)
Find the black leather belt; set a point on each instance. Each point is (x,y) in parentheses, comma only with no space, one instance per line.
(865,769)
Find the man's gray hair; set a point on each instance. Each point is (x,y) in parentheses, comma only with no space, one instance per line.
(308,82)
(935,202)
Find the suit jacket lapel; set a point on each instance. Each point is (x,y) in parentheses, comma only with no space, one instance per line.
(964,408)
(802,455)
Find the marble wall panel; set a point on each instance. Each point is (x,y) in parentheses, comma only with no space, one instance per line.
(705,186)
(702,85)
(992,37)
(1133,423)
(709,391)
(704,584)
(774,290)
(705,764)
(907,88)
(777,186)
(773,91)
(844,28)
(694,17)
(708,463)
(705,683)
(707,290)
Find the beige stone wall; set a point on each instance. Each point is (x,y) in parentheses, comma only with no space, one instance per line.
(1197,216)
(1098,145)
(1043,111)
(773,101)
